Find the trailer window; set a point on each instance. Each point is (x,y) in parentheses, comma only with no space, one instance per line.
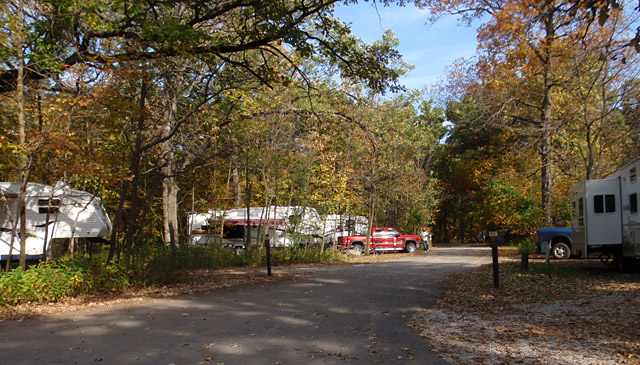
(604,203)
(233,231)
(633,203)
(632,175)
(50,206)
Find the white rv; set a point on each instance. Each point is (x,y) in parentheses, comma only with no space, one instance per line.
(605,216)
(338,225)
(227,228)
(284,225)
(52,213)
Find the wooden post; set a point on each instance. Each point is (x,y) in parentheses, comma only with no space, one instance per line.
(268,247)
(496,271)
(524,262)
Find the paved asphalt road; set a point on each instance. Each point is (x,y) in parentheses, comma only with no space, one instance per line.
(341,314)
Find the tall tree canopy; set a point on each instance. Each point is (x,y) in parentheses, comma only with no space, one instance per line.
(68,33)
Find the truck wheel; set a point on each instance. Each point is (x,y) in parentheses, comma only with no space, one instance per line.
(239,250)
(560,251)
(410,247)
(358,247)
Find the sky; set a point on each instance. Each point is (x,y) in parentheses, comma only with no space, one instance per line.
(430,48)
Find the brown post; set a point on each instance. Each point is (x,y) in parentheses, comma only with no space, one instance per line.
(524,262)
(268,247)
(496,271)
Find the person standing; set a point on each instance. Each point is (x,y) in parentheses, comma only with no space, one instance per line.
(425,239)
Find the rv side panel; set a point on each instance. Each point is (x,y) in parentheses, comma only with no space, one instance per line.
(597,220)
(630,188)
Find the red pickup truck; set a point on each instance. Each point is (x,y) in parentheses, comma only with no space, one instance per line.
(382,239)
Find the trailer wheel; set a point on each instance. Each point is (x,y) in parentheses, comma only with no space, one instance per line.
(410,247)
(604,257)
(560,251)
(358,247)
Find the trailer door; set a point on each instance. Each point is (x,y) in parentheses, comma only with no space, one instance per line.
(603,210)
(578,231)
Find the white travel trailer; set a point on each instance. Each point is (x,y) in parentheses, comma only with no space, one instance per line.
(338,225)
(605,216)
(52,213)
(284,225)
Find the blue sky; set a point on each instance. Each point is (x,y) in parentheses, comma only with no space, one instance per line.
(430,48)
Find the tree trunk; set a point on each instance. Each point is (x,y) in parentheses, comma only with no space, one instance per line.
(547,176)
(170,210)
(546,122)
(22,138)
(248,184)
(169,184)
(372,212)
(135,172)
(235,182)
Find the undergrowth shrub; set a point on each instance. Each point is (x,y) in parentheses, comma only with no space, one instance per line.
(147,265)
(527,245)
(163,265)
(293,255)
(55,280)
(42,283)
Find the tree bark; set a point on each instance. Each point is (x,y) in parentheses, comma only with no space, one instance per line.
(248,183)
(135,172)
(168,170)
(22,138)
(235,184)
(170,209)
(546,109)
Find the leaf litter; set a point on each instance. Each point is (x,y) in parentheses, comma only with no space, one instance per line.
(569,312)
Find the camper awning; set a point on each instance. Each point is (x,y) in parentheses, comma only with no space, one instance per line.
(253,222)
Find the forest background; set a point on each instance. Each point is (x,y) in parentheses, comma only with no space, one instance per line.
(161,108)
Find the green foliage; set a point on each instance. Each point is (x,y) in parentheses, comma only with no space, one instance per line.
(511,208)
(50,282)
(527,245)
(150,265)
(562,214)
(293,255)
(161,265)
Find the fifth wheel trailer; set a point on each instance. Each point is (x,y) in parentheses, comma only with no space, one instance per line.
(605,217)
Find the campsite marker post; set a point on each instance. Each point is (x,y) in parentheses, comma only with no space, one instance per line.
(268,247)
(494,254)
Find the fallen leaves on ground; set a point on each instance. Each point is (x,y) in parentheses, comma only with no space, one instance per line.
(569,312)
